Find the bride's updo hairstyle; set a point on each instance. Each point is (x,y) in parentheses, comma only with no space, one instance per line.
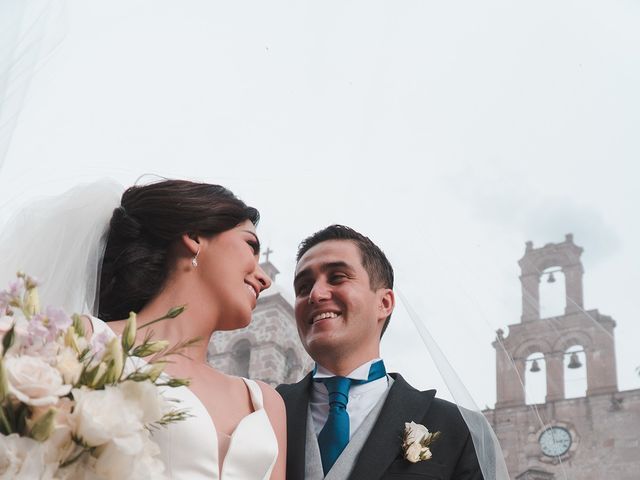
(142,231)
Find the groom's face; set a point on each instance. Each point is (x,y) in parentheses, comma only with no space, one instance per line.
(337,313)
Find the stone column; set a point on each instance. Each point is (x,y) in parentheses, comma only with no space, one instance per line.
(573,288)
(555,377)
(530,296)
(508,376)
(601,366)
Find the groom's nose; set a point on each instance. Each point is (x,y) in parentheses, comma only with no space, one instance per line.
(319,292)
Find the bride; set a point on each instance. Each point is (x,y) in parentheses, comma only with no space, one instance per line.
(182,243)
(167,244)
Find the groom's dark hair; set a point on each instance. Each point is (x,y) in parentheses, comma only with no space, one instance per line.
(374,261)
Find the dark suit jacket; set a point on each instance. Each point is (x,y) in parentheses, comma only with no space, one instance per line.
(381,458)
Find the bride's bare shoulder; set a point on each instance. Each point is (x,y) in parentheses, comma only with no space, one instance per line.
(272,399)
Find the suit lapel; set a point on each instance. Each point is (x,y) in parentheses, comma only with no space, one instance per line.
(296,400)
(404,404)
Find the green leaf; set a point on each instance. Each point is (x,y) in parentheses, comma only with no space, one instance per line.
(5,427)
(8,339)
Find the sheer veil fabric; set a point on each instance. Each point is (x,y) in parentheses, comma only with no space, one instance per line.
(486,443)
(60,241)
(30,30)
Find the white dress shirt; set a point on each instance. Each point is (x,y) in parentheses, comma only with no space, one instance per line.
(362,398)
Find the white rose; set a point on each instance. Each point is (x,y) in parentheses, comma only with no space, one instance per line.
(104,415)
(426,453)
(81,469)
(148,398)
(33,381)
(115,462)
(22,458)
(68,365)
(148,465)
(413,453)
(133,461)
(415,432)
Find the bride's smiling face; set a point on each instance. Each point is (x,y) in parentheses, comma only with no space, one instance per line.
(228,265)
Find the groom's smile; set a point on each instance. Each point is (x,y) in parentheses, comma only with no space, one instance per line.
(321,316)
(336,309)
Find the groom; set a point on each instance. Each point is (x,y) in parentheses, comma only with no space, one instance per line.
(346,419)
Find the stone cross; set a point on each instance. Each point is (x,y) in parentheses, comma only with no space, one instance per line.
(266,254)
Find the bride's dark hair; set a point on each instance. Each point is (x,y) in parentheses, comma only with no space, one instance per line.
(143,229)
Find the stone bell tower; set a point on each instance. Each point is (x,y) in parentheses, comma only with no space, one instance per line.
(588,437)
(553,336)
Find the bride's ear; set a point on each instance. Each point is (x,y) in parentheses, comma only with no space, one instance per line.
(191,241)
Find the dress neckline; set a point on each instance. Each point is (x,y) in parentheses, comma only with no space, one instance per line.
(255,394)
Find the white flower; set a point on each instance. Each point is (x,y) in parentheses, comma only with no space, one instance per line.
(81,469)
(132,461)
(148,465)
(22,458)
(68,365)
(33,381)
(15,292)
(115,461)
(413,452)
(104,415)
(416,442)
(147,398)
(414,432)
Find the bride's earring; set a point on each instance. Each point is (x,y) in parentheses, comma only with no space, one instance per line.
(194,260)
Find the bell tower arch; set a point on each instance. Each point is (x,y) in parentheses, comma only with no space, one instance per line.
(566,257)
(551,337)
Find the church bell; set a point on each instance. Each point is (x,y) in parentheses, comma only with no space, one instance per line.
(574,361)
(534,367)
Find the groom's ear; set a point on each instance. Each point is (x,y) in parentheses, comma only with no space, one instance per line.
(191,242)
(386,303)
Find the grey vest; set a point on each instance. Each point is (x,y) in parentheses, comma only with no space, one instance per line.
(345,462)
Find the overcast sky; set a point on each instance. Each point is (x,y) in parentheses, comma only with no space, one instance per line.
(448,132)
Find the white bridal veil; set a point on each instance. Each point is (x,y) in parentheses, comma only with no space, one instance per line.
(60,241)
(30,30)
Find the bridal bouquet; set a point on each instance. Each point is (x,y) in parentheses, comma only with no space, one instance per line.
(73,407)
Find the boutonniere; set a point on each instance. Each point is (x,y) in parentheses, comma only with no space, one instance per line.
(416,442)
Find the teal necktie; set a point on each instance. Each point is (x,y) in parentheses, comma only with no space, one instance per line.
(334,436)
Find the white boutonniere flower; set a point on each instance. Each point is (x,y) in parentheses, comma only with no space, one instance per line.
(416,442)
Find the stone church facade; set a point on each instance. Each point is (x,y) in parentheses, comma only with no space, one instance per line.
(269,348)
(593,437)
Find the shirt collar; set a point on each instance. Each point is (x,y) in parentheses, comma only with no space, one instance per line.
(360,373)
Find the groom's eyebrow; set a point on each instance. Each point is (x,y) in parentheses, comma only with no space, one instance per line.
(323,268)
(300,275)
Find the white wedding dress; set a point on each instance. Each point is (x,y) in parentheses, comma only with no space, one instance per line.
(192,449)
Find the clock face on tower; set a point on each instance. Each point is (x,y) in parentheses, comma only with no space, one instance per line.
(555,441)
